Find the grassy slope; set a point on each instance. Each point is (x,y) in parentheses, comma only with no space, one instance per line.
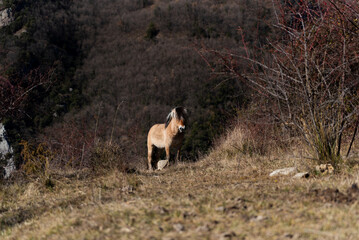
(224,194)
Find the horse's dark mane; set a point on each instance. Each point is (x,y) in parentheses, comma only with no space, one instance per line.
(181,112)
(168,120)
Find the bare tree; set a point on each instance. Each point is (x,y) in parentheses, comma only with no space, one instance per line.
(310,73)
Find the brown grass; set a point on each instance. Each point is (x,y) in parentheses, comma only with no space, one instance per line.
(227,194)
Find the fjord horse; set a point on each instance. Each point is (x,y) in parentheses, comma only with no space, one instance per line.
(168,135)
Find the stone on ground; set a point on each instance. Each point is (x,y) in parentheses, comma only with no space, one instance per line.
(283,171)
(301,175)
(162,164)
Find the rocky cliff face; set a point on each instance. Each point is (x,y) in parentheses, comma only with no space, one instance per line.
(5,151)
(6,16)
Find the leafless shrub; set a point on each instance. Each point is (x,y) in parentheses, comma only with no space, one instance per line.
(71,144)
(309,74)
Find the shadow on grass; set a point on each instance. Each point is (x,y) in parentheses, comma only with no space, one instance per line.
(20,215)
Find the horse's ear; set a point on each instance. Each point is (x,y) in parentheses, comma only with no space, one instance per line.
(168,119)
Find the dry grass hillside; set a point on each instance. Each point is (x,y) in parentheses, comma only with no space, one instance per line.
(226,195)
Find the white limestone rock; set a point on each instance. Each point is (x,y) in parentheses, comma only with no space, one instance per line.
(301,175)
(162,164)
(6,17)
(283,171)
(6,149)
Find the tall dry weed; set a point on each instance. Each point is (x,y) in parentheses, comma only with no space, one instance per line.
(36,159)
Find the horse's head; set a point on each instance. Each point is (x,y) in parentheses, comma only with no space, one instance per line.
(178,116)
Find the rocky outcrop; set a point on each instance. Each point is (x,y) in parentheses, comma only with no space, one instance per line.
(6,17)
(6,152)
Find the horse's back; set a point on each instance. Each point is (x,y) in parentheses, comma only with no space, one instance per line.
(156,136)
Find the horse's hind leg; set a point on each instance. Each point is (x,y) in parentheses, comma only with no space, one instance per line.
(167,148)
(149,156)
(178,155)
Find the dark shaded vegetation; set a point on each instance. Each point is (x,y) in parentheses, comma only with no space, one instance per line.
(151,32)
(120,66)
(48,49)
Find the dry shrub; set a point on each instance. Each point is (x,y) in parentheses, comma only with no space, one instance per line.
(71,142)
(36,159)
(307,71)
(106,156)
(241,141)
(252,140)
(77,147)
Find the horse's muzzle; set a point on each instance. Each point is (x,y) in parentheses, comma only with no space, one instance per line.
(181,128)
